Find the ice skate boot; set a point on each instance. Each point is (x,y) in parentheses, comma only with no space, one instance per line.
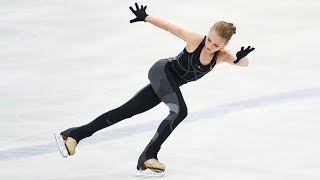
(152,167)
(67,145)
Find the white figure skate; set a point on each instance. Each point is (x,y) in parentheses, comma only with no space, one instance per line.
(66,145)
(151,168)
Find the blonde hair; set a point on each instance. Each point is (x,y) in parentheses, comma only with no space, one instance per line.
(224,29)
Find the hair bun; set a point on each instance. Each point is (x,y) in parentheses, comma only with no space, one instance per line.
(233,27)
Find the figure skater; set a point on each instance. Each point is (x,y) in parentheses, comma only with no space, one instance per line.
(199,57)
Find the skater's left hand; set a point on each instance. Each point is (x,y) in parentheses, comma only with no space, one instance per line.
(242,53)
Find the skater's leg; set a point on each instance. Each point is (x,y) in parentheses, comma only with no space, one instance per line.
(144,100)
(164,85)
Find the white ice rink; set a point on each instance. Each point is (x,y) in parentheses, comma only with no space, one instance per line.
(63,63)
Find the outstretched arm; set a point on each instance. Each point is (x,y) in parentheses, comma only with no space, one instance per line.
(188,36)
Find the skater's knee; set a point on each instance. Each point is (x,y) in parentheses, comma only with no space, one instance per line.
(183,111)
(177,116)
(179,110)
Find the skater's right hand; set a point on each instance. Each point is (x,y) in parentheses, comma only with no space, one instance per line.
(139,12)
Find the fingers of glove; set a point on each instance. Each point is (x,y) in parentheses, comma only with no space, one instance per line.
(134,12)
(242,48)
(251,50)
(137,6)
(133,20)
(145,8)
(247,49)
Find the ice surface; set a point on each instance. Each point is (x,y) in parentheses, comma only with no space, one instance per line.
(63,63)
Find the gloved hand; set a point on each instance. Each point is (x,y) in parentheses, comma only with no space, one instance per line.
(140,13)
(242,53)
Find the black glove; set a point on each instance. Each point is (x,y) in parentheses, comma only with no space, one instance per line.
(242,53)
(140,13)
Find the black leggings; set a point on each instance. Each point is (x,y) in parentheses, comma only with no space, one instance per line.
(164,87)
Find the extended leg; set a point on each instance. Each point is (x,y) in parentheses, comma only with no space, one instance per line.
(144,100)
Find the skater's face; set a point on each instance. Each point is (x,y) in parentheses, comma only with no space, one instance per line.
(214,42)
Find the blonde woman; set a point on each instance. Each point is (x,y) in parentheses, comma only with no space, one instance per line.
(200,55)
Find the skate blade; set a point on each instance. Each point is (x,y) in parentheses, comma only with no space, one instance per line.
(61,145)
(149,173)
